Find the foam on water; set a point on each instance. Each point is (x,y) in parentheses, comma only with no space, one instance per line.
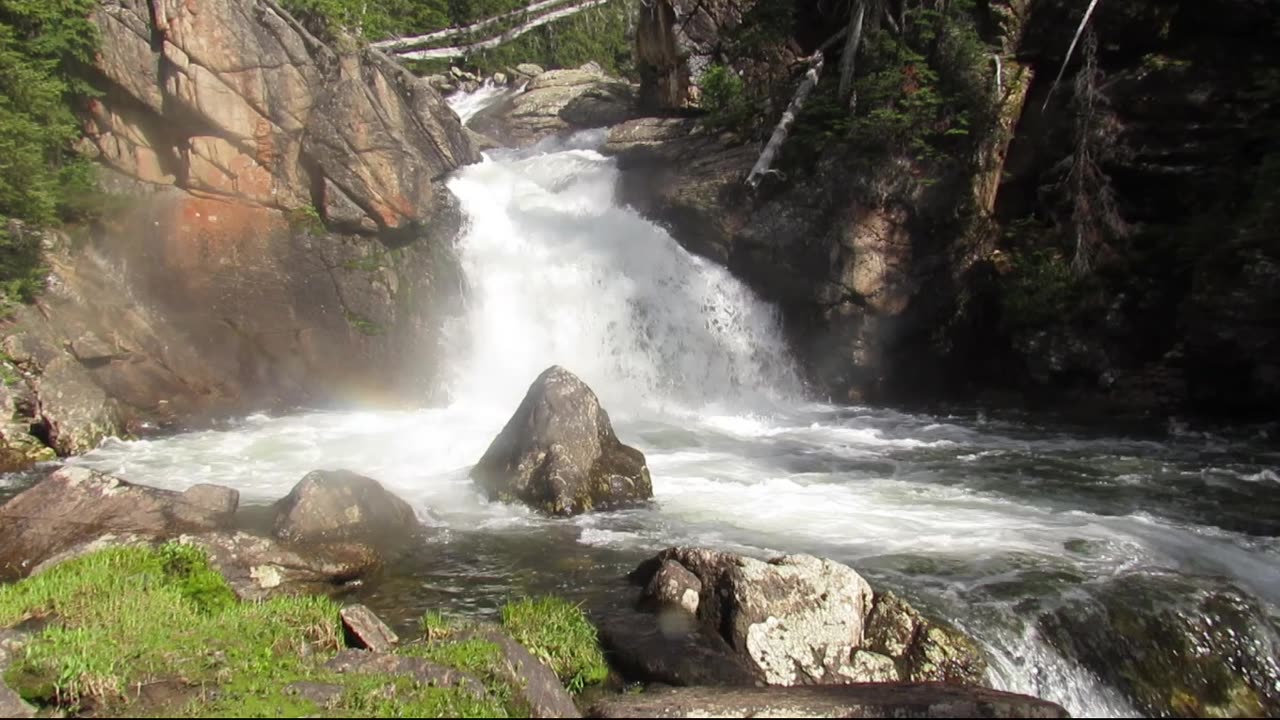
(694,371)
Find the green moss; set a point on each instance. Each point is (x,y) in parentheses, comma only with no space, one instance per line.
(124,619)
(558,633)
(364,325)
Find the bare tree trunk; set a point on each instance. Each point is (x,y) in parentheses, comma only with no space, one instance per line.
(761,168)
(1088,13)
(857,14)
(505,37)
(398,44)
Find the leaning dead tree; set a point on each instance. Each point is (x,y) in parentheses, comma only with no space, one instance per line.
(403,47)
(1088,13)
(396,45)
(857,14)
(761,168)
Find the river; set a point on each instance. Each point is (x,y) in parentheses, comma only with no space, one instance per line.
(987,522)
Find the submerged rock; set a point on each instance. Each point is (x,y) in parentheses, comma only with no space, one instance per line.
(341,506)
(862,701)
(75,506)
(795,620)
(558,453)
(1174,648)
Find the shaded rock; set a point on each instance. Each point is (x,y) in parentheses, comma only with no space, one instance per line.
(794,620)
(892,700)
(259,567)
(76,505)
(341,506)
(365,630)
(556,102)
(533,684)
(1172,647)
(674,585)
(364,662)
(670,647)
(558,453)
(677,41)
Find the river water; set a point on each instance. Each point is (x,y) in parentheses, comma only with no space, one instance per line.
(986,522)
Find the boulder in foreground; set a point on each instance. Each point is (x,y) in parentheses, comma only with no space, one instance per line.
(558,453)
(794,620)
(76,505)
(893,700)
(341,506)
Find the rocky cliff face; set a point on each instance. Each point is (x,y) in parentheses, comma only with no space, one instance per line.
(282,235)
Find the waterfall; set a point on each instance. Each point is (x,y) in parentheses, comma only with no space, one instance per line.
(558,273)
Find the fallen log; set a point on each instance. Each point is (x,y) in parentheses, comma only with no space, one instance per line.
(761,168)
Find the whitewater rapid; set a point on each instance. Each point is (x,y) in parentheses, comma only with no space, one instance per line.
(694,371)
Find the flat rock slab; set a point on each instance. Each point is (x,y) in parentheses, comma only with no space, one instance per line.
(363,629)
(887,700)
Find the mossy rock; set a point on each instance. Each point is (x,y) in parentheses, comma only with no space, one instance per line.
(1174,647)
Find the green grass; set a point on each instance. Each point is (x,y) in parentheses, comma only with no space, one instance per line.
(126,619)
(557,633)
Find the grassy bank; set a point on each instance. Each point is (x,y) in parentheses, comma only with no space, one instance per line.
(157,632)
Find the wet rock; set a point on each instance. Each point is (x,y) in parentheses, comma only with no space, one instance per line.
(1174,647)
(364,662)
(926,650)
(556,102)
(364,630)
(801,620)
(558,453)
(893,700)
(76,505)
(258,567)
(533,684)
(341,506)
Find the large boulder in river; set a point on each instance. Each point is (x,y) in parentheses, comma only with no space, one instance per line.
(558,453)
(341,506)
(76,505)
(1173,646)
(793,620)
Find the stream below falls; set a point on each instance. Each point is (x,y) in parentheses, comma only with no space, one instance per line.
(992,524)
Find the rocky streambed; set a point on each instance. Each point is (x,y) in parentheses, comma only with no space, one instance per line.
(700,619)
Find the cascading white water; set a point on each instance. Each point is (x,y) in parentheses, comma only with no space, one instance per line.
(977,521)
(558,273)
